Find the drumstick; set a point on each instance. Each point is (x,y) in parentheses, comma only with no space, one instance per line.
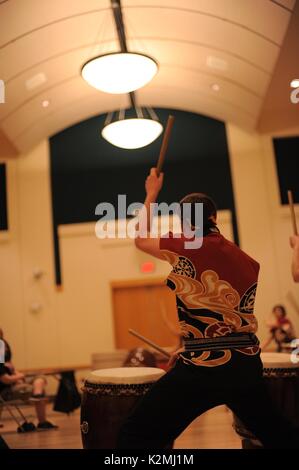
(293,217)
(148,341)
(164,144)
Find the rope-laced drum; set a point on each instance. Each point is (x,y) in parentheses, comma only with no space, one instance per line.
(108,397)
(281,377)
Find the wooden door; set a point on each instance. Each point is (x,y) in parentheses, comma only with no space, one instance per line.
(147,307)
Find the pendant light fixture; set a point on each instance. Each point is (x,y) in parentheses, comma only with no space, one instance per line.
(141,127)
(132,132)
(119,72)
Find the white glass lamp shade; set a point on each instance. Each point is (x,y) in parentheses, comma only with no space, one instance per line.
(132,133)
(119,72)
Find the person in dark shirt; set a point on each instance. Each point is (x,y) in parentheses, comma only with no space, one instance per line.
(14,385)
(215,284)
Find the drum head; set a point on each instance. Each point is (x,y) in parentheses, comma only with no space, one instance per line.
(273,360)
(125,375)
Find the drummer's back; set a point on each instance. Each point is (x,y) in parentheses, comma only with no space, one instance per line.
(229,261)
(224,258)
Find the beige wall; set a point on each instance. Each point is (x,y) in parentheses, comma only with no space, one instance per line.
(11,291)
(281,230)
(73,323)
(28,246)
(264,225)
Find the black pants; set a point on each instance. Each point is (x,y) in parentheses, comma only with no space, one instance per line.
(3,444)
(187,391)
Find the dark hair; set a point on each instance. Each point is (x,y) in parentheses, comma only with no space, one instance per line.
(209,208)
(282,309)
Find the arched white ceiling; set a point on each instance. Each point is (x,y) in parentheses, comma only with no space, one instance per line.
(55,38)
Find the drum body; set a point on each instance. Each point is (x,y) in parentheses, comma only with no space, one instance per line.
(109,396)
(281,377)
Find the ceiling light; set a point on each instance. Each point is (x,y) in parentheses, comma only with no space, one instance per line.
(132,133)
(215,87)
(45,103)
(140,128)
(295,83)
(122,71)
(119,72)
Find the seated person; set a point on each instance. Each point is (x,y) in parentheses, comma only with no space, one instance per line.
(281,329)
(14,386)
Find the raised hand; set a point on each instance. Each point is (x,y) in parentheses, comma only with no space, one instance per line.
(153,183)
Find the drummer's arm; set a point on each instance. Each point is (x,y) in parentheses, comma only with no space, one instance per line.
(11,379)
(145,239)
(150,246)
(294,241)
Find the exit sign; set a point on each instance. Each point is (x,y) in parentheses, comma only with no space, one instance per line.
(147,267)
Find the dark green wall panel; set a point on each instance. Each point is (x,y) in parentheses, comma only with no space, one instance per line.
(87,170)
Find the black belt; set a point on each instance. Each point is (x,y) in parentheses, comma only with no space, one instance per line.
(236,341)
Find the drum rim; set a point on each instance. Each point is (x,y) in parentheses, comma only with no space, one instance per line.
(279,361)
(129,376)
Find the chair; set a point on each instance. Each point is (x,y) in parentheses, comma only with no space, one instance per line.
(9,405)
